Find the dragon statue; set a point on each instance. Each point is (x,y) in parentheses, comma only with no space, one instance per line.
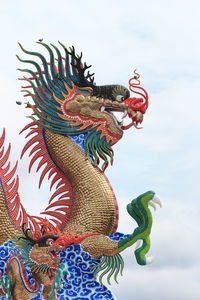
(73,126)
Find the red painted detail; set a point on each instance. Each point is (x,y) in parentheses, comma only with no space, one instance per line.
(5,157)
(54,180)
(64,196)
(27,86)
(2,138)
(10,174)
(34,149)
(59,191)
(7,168)
(34,130)
(42,162)
(1,152)
(35,157)
(28,126)
(133,123)
(64,239)
(57,203)
(10,183)
(26,219)
(44,172)
(56,215)
(64,209)
(14,189)
(137,104)
(28,145)
(68,239)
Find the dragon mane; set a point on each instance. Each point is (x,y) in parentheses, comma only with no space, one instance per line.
(61,78)
(23,245)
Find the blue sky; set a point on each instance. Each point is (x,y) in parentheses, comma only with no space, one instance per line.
(161,40)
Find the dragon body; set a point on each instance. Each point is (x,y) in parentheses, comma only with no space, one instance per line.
(73,128)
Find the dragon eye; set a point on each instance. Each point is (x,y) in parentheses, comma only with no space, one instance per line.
(50,242)
(119,98)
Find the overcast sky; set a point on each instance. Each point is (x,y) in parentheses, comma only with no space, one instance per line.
(161,40)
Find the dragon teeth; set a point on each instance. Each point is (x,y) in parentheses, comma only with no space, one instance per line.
(139,115)
(133,113)
(149,260)
(102,108)
(157,201)
(125,114)
(152,204)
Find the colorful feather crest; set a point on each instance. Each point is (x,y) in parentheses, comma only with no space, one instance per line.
(54,85)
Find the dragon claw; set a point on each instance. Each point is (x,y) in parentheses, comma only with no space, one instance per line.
(149,260)
(152,204)
(139,210)
(138,243)
(156,200)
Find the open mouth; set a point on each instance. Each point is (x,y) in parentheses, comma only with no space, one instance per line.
(54,253)
(122,116)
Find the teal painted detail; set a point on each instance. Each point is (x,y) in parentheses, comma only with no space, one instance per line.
(110,266)
(5,285)
(23,248)
(140,212)
(61,272)
(97,147)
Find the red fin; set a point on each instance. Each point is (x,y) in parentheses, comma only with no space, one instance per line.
(40,154)
(5,157)
(55,214)
(10,184)
(57,203)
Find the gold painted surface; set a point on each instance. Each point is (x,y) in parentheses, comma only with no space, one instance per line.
(40,255)
(17,288)
(100,245)
(90,107)
(93,199)
(7,226)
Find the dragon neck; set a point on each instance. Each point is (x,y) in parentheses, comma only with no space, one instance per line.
(27,282)
(94,206)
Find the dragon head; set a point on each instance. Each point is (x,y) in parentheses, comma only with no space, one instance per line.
(40,254)
(41,251)
(68,102)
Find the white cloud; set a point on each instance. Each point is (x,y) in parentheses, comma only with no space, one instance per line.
(172,283)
